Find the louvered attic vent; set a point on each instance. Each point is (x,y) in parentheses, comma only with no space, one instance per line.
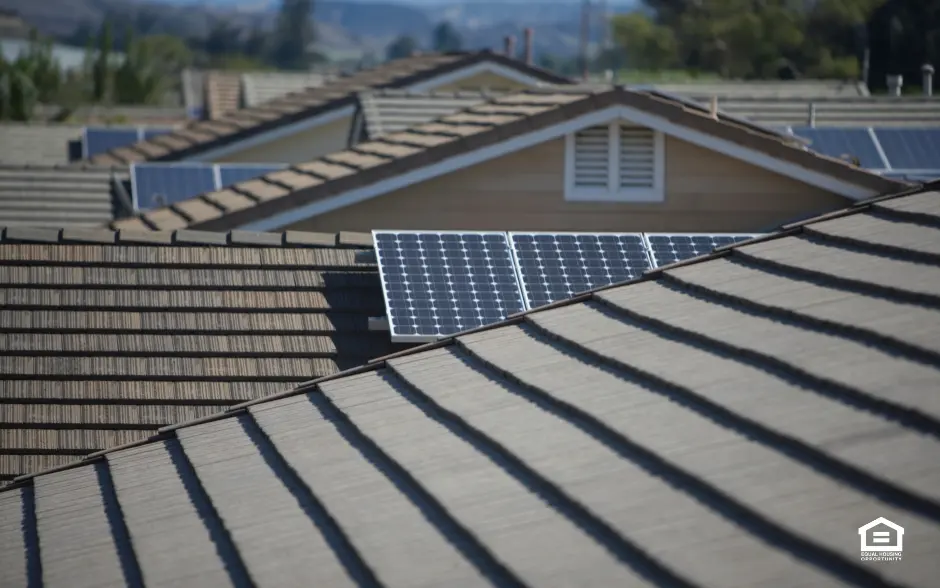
(614,162)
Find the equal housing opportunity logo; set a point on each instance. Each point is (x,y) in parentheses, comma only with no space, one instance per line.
(881,540)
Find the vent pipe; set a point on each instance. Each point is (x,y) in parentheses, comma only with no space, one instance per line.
(713,107)
(527,45)
(509,46)
(895,83)
(811,118)
(927,70)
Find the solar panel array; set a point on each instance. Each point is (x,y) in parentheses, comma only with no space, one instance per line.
(97,140)
(160,184)
(556,266)
(904,153)
(438,283)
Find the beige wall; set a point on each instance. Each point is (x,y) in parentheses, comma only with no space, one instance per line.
(487,80)
(298,148)
(705,191)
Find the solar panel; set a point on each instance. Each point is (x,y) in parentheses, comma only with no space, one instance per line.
(160,184)
(440,283)
(556,266)
(235,173)
(838,142)
(666,248)
(911,148)
(102,139)
(151,133)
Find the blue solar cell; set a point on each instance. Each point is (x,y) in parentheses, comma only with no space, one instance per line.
(669,248)
(836,142)
(160,184)
(441,283)
(914,149)
(101,140)
(234,173)
(151,133)
(556,266)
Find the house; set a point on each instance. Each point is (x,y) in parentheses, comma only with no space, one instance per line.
(62,196)
(881,535)
(109,336)
(559,158)
(36,144)
(214,93)
(724,422)
(304,125)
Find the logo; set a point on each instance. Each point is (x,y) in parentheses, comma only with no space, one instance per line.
(881,540)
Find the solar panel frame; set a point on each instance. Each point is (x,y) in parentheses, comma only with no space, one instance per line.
(131,135)
(657,262)
(263,168)
(397,330)
(909,148)
(536,300)
(138,167)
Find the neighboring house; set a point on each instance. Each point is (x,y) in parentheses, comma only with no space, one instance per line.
(118,115)
(304,125)
(802,89)
(109,336)
(875,111)
(214,93)
(575,159)
(68,196)
(726,422)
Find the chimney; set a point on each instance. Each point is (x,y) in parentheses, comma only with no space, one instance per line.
(527,45)
(510,47)
(927,70)
(895,83)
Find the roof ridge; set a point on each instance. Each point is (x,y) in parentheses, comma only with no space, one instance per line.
(169,432)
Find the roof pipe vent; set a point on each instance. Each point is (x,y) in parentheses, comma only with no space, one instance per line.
(895,82)
(509,46)
(713,107)
(811,118)
(528,55)
(927,79)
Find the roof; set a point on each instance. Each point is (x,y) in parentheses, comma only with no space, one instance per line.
(875,111)
(504,117)
(390,111)
(42,196)
(107,337)
(27,144)
(223,93)
(766,89)
(729,421)
(200,136)
(261,87)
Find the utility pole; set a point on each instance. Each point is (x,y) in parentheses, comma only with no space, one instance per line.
(585,36)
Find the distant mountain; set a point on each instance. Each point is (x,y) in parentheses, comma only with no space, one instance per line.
(346,27)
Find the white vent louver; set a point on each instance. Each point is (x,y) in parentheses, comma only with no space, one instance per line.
(592,157)
(637,158)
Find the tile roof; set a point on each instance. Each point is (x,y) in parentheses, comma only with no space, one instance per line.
(69,196)
(767,89)
(223,93)
(477,127)
(107,336)
(202,135)
(390,111)
(728,422)
(877,111)
(36,144)
(260,87)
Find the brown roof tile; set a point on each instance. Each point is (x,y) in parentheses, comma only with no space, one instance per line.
(198,210)
(165,219)
(229,201)
(106,343)
(237,124)
(357,160)
(261,190)
(293,179)
(325,170)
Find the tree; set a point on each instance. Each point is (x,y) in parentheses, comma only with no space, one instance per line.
(294,35)
(101,68)
(41,67)
(646,45)
(152,64)
(403,46)
(446,38)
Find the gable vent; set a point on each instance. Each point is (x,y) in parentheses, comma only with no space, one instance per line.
(592,157)
(637,157)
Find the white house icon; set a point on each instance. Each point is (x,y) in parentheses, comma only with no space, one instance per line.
(881,535)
